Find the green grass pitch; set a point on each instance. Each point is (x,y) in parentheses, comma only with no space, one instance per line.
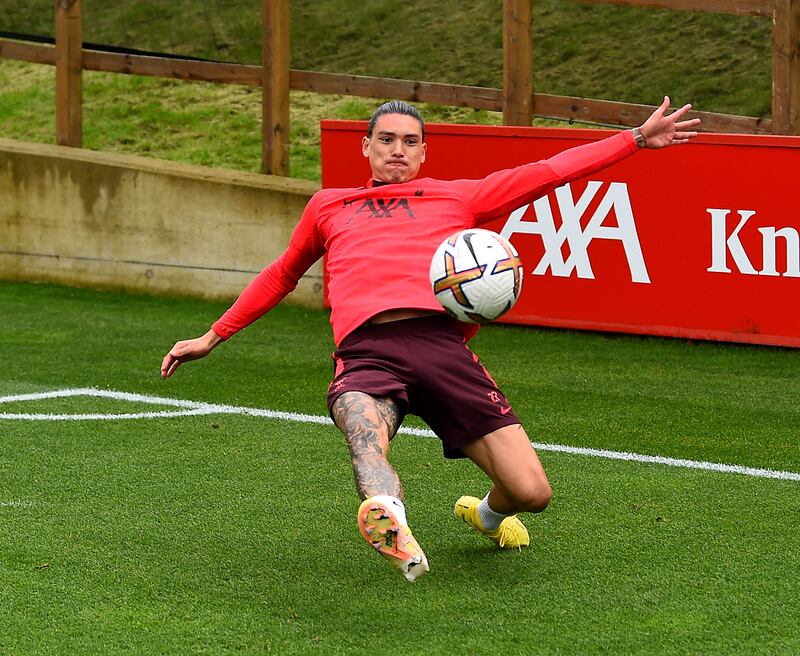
(225,533)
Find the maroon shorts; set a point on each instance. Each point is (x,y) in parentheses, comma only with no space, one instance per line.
(425,366)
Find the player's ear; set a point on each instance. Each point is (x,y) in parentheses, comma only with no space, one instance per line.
(424,151)
(365,146)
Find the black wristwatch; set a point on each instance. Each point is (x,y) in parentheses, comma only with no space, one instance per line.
(639,138)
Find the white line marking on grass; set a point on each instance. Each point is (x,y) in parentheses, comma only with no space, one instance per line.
(196,408)
(191,408)
(15,504)
(671,462)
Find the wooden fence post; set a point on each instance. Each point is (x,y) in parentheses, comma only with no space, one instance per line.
(786,67)
(69,90)
(517,62)
(275,87)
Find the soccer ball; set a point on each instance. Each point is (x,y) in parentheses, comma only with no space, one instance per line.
(476,275)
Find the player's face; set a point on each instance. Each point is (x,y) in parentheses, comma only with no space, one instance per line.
(395,150)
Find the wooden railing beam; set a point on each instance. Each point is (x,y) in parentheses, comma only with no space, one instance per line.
(69,89)
(610,113)
(275,86)
(517,62)
(737,7)
(786,67)
(30,52)
(410,90)
(181,69)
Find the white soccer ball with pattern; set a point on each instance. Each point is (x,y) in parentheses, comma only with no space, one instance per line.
(476,275)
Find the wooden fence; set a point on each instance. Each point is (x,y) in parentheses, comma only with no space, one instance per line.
(517,99)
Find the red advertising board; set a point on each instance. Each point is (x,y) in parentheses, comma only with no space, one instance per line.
(697,241)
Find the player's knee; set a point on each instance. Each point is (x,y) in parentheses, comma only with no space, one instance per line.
(534,498)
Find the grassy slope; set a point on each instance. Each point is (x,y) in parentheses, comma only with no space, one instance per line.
(719,62)
(598,51)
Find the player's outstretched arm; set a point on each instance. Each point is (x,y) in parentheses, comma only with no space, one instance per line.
(661,130)
(187,350)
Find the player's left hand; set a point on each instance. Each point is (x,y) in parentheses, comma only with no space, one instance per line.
(661,130)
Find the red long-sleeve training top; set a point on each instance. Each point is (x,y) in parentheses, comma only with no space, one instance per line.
(379,239)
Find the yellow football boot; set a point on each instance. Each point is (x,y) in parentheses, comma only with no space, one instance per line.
(511,534)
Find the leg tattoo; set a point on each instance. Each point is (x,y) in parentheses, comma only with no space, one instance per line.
(368,424)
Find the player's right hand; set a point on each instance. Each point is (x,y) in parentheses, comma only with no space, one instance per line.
(187,350)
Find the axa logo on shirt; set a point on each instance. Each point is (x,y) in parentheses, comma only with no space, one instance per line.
(724,243)
(382,208)
(575,235)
